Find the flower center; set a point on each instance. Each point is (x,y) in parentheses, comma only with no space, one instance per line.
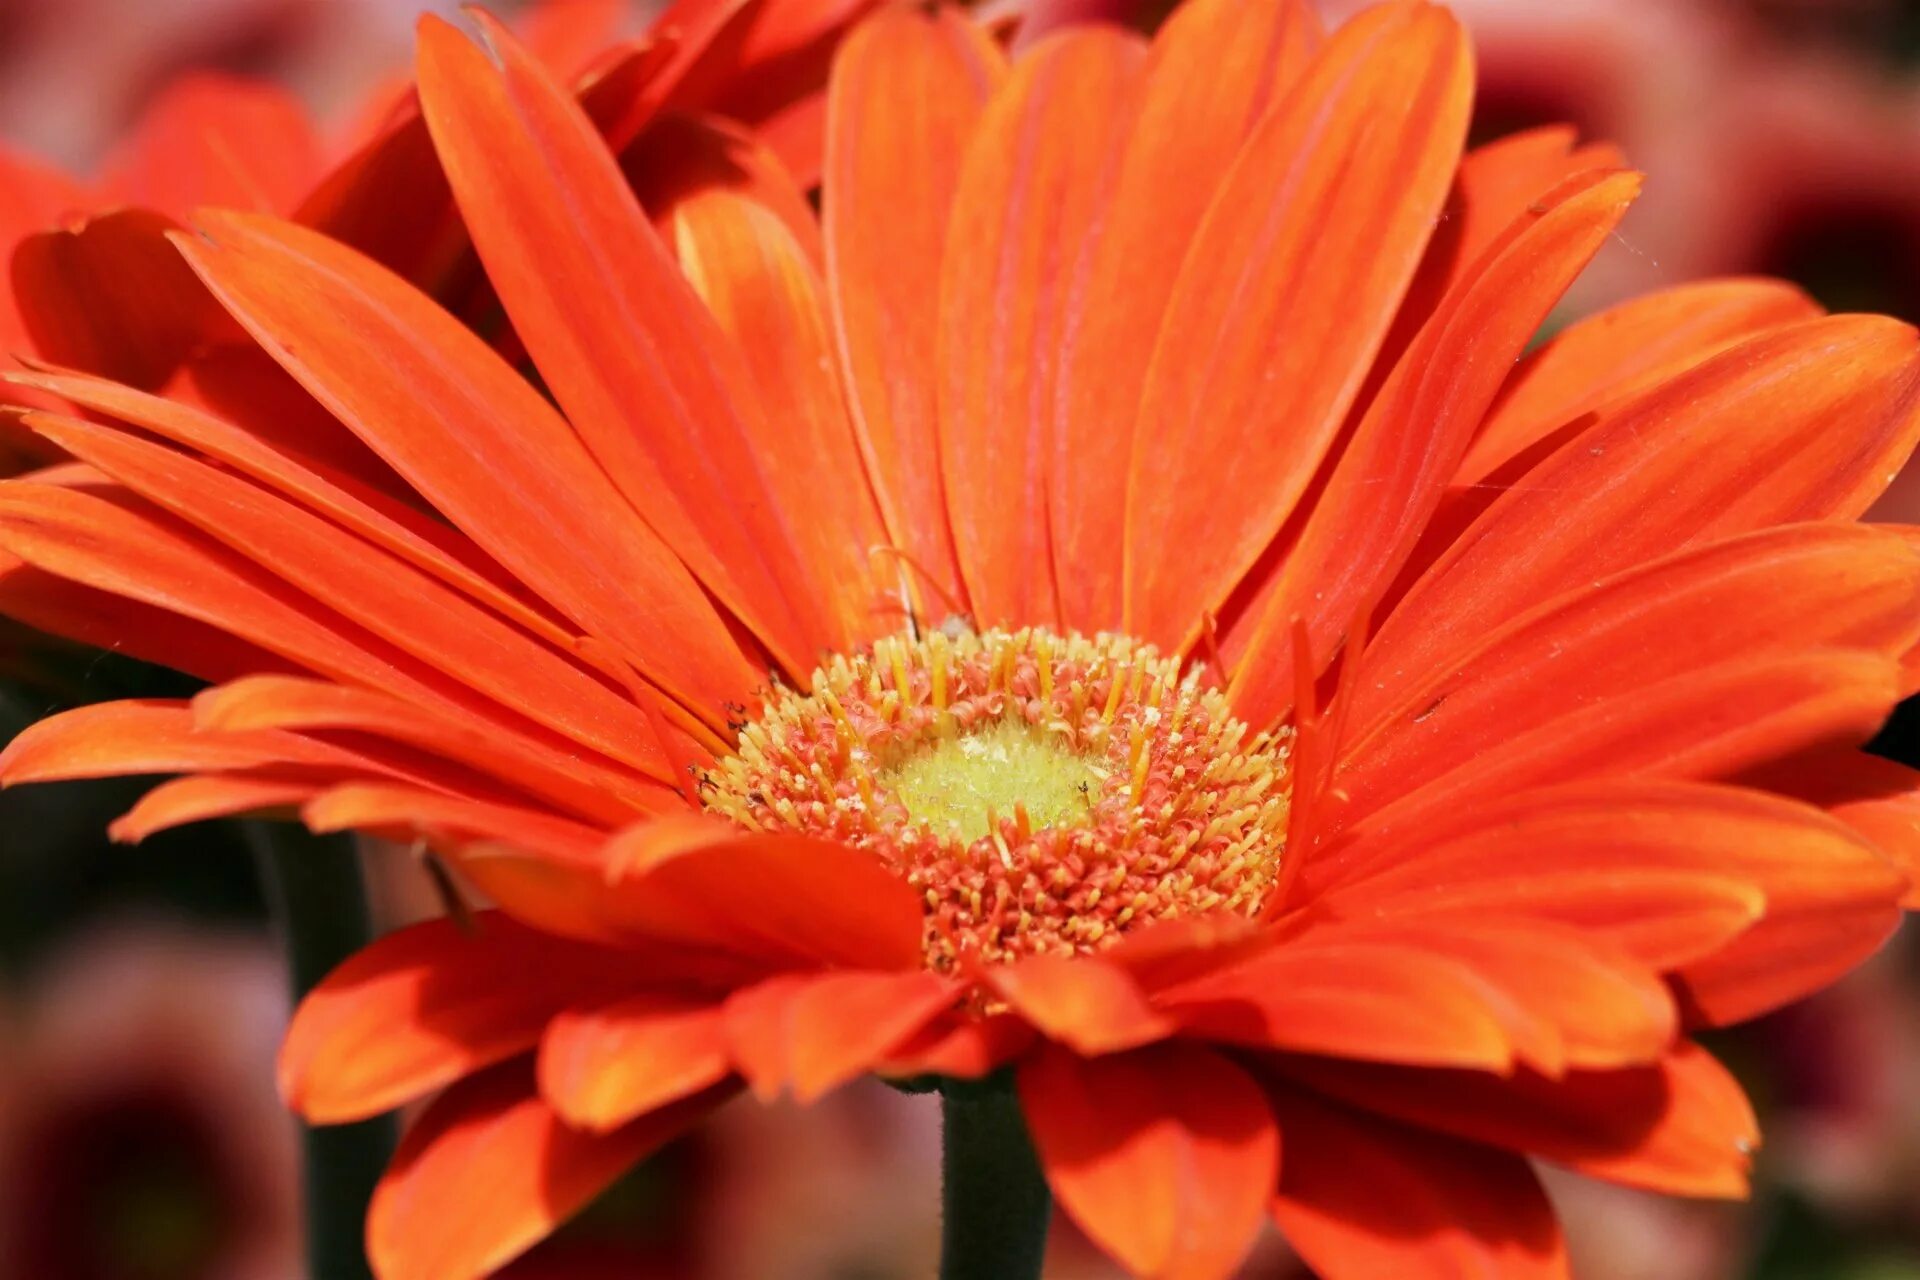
(1044,793)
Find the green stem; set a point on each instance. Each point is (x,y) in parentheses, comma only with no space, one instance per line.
(314,889)
(994,1201)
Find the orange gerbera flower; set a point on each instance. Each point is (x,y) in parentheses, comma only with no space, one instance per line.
(1110,602)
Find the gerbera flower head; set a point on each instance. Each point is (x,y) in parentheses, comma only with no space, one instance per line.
(1111,605)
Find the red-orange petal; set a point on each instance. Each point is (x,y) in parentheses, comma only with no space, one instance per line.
(1165,1156)
(1779,592)
(146,735)
(475,439)
(110,295)
(602,1065)
(752,273)
(1803,423)
(891,176)
(204,797)
(808,1034)
(1620,352)
(1214,70)
(1377,1001)
(1081,1001)
(1682,1126)
(1362,1198)
(214,139)
(793,901)
(1325,212)
(1036,176)
(423,1007)
(490,1170)
(657,394)
(1393,472)
(393,600)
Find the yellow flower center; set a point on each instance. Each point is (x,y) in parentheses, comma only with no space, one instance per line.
(1044,793)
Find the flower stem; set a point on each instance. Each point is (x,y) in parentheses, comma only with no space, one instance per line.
(314,890)
(994,1201)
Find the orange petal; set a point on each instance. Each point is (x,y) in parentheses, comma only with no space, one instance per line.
(1394,470)
(812,1033)
(1494,187)
(213,139)
(110,295)
(962,1045)
(384,807)
(1774,593)
(1621,352)
(1597,1005)
(345,498)
(1165,1157)
(1803,423)
(112,542)
(1376,1001)
(1325,212)
(1361,1197)
(1036,175)
(1877,798)
(428,1005)
(147,735)
(477,441)
(1713,722)
(204,797)
(769,70)
(570,781)
(490,1170)
(750,271)
(59,607)
(1080,1001)
(1671,871)
(1213,71)
(656,392)
(1682,1127)
(891,175)
(679,157)
(788,899)
(390,598)
(602,1065)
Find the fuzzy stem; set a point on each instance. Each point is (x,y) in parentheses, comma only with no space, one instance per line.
(314,889)
(994,1201)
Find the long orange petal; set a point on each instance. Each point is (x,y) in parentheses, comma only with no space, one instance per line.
(134,736)
(390,598)
(111,296)
(569,780)
(811,1033)
(1361,1197)
(340,496)
(1803,423)
(476,440)
(213,139)
(1620,352)
(1037,173)
(1165,1156)
(1325,213)
(602,1065)
(751,272)
(906,92)
(205,797)
(1774,593)
(1375,1001)
(490,1170)
(1394,471)
(1682,1126)
(658,395)
(426,1006)
(1213,71)
(1080,1001)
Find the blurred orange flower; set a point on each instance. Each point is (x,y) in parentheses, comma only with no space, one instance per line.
(137,1134)
(1108,600)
